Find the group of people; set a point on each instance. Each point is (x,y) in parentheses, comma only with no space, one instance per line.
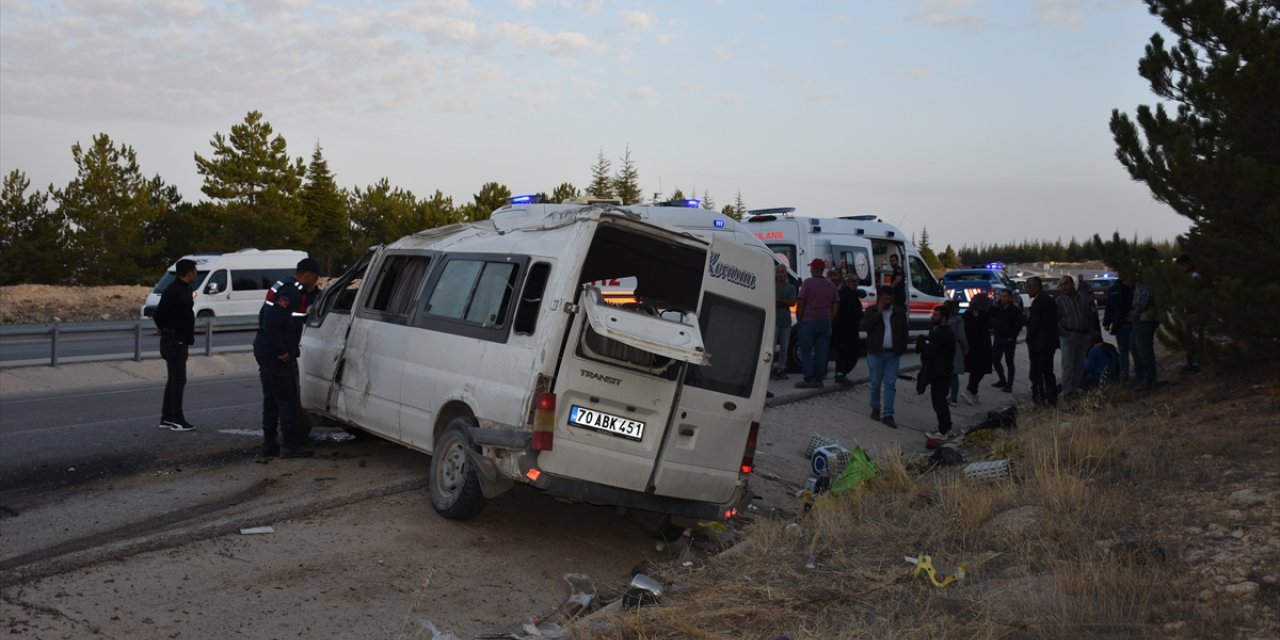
(276,349)
(977,342)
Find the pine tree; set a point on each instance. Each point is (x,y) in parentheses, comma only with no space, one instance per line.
(492,196)
(1214,161)
(626,184)
(325,208)
(707,202)
(255,185)
(601,183)
(949,259)
(380,214)
(109,206)
(564,192)
(739,208)
(31,235)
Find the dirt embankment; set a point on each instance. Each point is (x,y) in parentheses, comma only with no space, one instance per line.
(37,303)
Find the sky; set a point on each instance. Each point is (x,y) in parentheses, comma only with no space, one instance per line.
(984,121)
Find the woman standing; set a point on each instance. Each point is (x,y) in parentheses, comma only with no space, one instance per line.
(977,327)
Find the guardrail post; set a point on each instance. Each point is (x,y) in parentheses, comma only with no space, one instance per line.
(137,342)
(208,336)
(53,346)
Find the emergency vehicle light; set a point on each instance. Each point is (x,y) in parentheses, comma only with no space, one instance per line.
(691,203)
(525,199)
(719,224)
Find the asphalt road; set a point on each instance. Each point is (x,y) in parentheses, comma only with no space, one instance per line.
(15,350)
(58,438)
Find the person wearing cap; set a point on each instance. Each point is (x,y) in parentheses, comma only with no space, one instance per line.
(816,306)
(277,349)
(886,327)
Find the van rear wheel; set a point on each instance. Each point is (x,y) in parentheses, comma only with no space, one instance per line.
(454,486)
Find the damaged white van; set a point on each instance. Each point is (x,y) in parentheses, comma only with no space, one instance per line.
(490,346)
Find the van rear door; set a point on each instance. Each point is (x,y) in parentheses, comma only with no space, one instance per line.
(614,394)
(702,452)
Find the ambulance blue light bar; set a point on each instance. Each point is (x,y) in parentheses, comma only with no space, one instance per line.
(689,203)
(525,199)
(719,224)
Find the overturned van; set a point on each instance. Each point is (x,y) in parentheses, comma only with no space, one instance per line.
(491,346)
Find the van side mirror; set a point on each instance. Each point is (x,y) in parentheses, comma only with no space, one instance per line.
(212,287)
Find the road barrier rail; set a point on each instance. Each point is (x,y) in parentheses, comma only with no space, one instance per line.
(137,328)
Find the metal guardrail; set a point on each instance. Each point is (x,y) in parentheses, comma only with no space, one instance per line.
(53,330)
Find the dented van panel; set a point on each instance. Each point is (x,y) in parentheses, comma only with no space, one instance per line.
(493,341)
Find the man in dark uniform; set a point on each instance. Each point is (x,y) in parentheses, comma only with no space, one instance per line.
(1042,341)
(176,319)
(898,281)
(276,350)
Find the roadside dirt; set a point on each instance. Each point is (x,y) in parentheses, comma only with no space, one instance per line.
(39,303)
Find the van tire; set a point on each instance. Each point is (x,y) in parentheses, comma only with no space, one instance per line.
(454,486)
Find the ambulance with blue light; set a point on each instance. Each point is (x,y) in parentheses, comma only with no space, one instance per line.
(491,347)
(860,245)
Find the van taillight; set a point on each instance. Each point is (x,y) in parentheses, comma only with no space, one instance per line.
(544,421)
(749,455)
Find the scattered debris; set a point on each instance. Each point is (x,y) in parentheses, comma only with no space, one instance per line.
(250,531)
(946,454)
(435,633)
(989,470)
(924,563)
(859,469)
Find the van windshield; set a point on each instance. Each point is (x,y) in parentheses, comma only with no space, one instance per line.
(170,276)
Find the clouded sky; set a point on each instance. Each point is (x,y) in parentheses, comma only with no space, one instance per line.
(982,120)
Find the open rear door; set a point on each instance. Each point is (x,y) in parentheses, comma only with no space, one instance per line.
(703,450)
(618,380)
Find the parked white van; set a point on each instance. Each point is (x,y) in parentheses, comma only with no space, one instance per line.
(230,284)
(863,242)
(488,346)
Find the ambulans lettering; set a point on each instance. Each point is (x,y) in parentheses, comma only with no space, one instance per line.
(726,271)
(601,377)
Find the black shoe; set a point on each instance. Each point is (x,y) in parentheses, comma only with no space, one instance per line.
(875,414)
(999,385)
(888,422)
(297,453)
(268,451)
(768,394)
(181,425)
(1008,388)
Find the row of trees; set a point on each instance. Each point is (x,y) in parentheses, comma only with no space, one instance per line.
(112,225)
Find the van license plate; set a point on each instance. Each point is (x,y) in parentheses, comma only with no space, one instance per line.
(609,423)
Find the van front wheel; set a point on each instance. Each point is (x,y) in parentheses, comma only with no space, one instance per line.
(455,488)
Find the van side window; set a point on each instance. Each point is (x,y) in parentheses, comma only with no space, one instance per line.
(476,291)
(531,299)
(398,281)
(217,282)
(341,294)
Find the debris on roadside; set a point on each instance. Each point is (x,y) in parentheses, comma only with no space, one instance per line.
(924,563)
(251,531)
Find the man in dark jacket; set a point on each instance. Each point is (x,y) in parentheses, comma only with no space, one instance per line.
(886,327)
(977,327)
(937,354)
(176,319)
(1115,319)
(1042,341)
(1006,324)
(844,327)
(277,349)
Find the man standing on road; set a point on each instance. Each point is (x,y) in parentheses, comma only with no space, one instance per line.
(1115,319)
(1006,324)
(816,306)
(276,350)
(937,356)
(1076,320)
(1042,341)
(784,296)
(176,319)
(886,327)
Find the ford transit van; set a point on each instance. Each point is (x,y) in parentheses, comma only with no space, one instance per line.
(490,346)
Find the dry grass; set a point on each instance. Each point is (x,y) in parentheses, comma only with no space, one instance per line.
(1087,540)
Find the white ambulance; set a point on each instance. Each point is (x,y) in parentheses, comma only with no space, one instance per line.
(230,284)
(488,346)
(860,244)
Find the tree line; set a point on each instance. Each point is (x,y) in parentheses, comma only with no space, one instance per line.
(112,225)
